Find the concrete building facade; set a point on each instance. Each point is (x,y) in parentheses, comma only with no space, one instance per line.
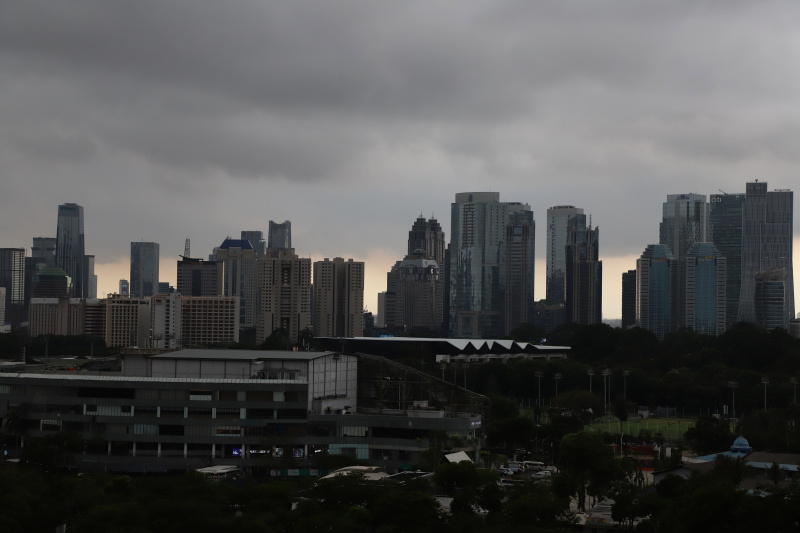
(284,285)
(338,298)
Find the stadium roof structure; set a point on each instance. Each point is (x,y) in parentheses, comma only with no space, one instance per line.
(443,349)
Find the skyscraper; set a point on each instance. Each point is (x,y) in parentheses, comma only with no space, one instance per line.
(284,284)
(12,277)
(584,274)
(558,218)
(240,277)
(70,247)
(517,255)
(628,299)
(766,247)
(725,231)
(684,222)
(427,235)
(144,269)
(257,241)
(655,282)
(417,298)
(280,236)
(338,298)
(478,230)
(706,273)
(44,249)
(197,277)
(89,277)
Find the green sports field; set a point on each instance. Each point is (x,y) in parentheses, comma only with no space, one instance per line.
(671,428)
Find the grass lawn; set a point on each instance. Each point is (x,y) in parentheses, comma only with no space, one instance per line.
(672,428)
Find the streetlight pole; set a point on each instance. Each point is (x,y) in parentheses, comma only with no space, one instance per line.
(765,381)
(556,378)
(606,388)
(539,375)
(591,373)
(625,375)
(733,385)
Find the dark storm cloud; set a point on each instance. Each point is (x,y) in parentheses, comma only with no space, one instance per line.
(363,110)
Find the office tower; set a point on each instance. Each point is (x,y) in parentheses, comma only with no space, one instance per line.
(725,231)
(478,230)
(144,269)
(628,299)
(284,285)
(239,277)
(127,321)
(766,247)
(769,300)
(257,241)
(338,298)
(70,247)
(280,236)
(558,218)
(89,277)
(517,254)
(2,309)
(94,318)
(583,274)
(51,282)
(380,318)
(706,297)
(124,287)
(427,235)
(166,316)
(655,282)
(418,292)
(12,277)
(197,277)
(684,222)
(208,320)
(44,249)
(57,316)
(165,288)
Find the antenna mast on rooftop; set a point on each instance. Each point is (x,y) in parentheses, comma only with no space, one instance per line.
(186,248)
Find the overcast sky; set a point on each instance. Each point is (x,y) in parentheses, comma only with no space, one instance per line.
(202,118)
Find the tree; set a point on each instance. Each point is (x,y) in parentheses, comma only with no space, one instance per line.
(586,462)
(709,435)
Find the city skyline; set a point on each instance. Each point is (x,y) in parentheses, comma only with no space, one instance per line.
(350,128)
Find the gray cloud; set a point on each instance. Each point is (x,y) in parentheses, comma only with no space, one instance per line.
(206,117)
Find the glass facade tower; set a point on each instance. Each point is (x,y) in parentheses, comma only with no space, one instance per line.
(655,281)
(706,274)
(144,269)
(766,247)
(70,247)
(558,219)
(725,231)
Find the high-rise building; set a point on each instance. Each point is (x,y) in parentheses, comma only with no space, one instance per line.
(338,298)
(769,300)
(684,222)
(12,277)
(240,277)
(628,299)
(70,246)
(197,277)
(655,282)
(478,230)
(280,236)
(89,277)
(725,231)
(517,255)
(124,287)
(427,235)
(706,273)
(51,282)
(44,249)
(284,284)
(144,269)
(165,310)
(418,294)
(257,241)
(766,248)
(583,274)
(127,321)
(207,320)
(558,218)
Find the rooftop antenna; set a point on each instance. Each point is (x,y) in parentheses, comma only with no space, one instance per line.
(723,192)
(186,248)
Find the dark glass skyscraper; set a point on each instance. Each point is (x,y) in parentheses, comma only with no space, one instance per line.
(725,231)
(280,235)
(705,289)
(427,235)
(766,247)
(584,274)
(70,247)
(558,220)
(144,269)
(655,282)
(12,277)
